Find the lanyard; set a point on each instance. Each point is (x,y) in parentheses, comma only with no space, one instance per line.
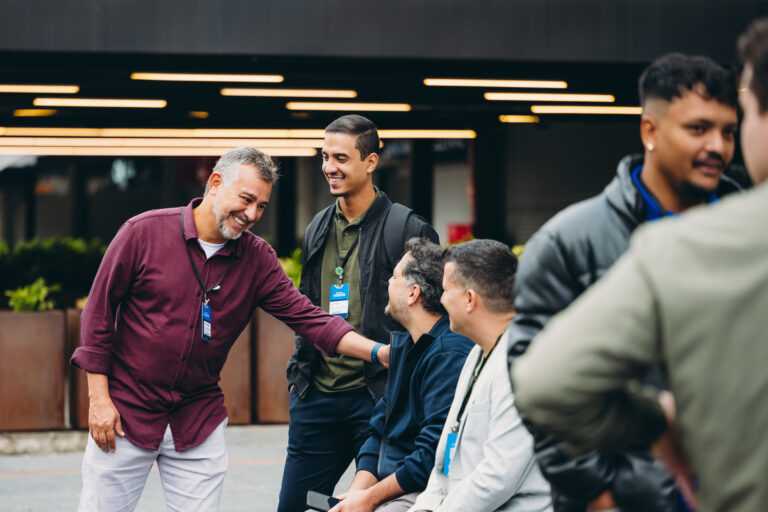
(475,375)
(341,263)
(213,288)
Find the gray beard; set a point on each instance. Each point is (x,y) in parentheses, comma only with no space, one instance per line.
(221,222)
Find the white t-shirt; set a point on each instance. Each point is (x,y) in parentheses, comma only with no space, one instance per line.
(209,248)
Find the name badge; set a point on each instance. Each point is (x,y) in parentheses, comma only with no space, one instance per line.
(206,322)
(450,446)
(339,304)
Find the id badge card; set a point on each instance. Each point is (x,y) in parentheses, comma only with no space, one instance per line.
(206,322)
(450,446)
(339,304)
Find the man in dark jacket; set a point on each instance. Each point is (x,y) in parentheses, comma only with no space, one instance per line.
(349,251)
(425,362)
(687,128)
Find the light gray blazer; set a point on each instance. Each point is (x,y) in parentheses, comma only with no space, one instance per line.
(493,466)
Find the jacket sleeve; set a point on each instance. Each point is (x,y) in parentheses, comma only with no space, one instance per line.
(545,284)
(437,389)
(110,286)
(578,380)
(507,456)
(368,457)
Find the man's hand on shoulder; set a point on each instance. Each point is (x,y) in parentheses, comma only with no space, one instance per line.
(383,356)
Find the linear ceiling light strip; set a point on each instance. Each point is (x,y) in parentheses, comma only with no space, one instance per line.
(206,77)
(141,151)
(478,82)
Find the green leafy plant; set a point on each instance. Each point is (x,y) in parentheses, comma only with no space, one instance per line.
(292,266)
(33,297)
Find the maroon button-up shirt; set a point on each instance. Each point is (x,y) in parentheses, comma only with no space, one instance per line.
(142,323)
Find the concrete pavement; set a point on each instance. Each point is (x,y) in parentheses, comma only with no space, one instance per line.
(43,482)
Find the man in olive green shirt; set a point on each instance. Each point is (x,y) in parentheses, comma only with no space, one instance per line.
(349,251)
(691,292)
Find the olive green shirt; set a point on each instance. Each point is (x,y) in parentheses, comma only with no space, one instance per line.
(342,373)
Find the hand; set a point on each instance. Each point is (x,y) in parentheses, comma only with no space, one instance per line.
(355,501)
(103,422)
(669,450)
(383,356)
(603,502)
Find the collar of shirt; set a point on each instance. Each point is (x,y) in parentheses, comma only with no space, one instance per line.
(653,208)
(360,218)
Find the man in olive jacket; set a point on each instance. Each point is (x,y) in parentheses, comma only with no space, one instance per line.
(687,128)
(692,293)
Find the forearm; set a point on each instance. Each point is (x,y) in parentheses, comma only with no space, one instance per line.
(354,345)
(385,490)
(98,386)
(363,480)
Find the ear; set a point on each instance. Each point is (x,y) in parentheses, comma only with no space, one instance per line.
(414,293)
(214,183)
(473,300)
(371,161)
(648,131)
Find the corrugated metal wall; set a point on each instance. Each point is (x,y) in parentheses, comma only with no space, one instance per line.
(552,165)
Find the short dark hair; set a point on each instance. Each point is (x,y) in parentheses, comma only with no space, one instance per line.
(425,270)
(753,50)
(669,76)
(365,132)
(488,267)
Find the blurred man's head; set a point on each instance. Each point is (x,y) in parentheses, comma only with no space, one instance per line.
(689,121)
(416,286)
(753,95)
(239,189)
(350,154)
(478,278)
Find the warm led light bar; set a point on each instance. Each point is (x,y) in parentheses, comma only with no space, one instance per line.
(578,109)
(371,107)
(528,96)
(39,89)
(98,102)
(144,142)
(519,84)
(206,77)
(290,93)
(199,114)
(518,119)
(24,131)
(141,151)
(427,134)
(34,112)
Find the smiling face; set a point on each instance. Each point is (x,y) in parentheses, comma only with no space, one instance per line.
(238,206)
(344,169)
(693,139)
(454,299)
(398,289)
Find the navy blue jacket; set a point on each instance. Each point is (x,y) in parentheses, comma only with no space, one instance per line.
(410,416)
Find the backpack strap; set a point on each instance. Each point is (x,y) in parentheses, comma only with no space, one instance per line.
(394,232)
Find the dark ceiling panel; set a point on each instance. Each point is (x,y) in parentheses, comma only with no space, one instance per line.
(515,30)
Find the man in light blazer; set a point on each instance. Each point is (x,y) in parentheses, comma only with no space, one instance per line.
(484,459)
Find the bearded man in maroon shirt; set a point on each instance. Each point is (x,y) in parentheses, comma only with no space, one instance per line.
(174,290)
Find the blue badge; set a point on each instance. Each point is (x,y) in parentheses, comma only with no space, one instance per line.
(339,304)
(450,446)
(206,321)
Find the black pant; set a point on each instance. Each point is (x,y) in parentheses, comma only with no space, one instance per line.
(325,433)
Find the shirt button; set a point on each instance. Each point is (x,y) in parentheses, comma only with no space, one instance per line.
(198,294)
(191,326)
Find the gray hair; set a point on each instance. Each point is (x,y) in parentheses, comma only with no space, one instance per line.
(229,164)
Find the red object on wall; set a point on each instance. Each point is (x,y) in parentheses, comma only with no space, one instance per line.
(458,232)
